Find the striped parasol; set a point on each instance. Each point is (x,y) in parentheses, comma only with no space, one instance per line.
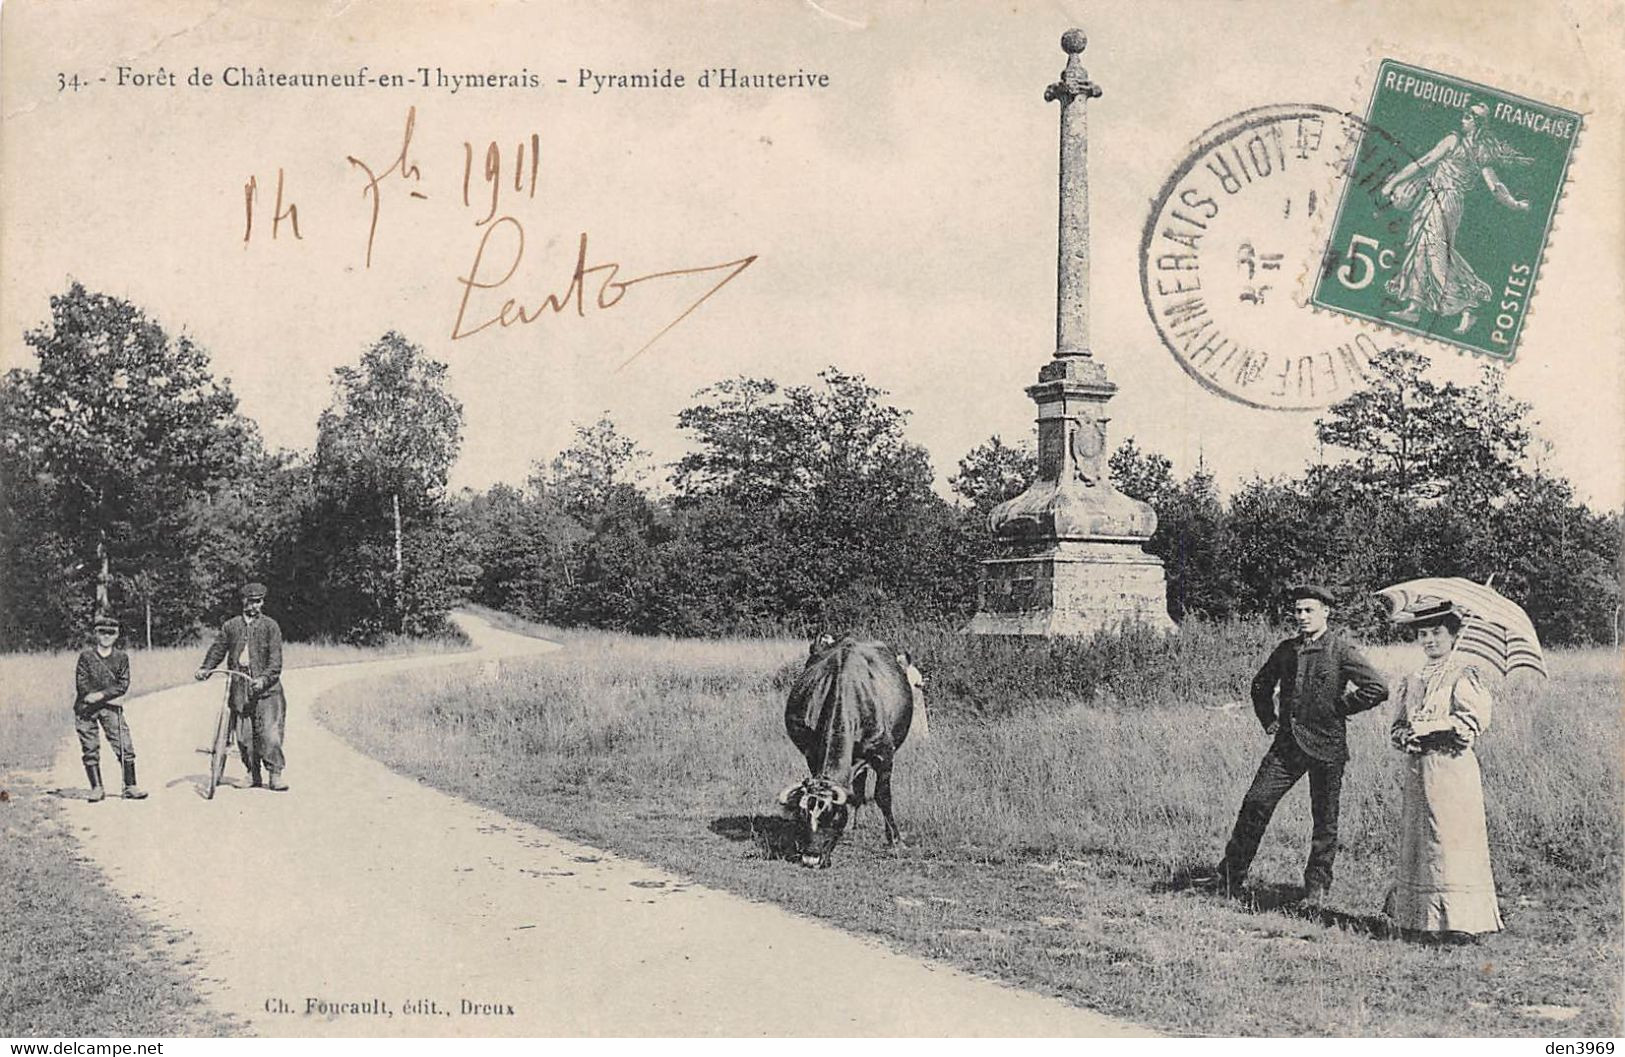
(1494,629)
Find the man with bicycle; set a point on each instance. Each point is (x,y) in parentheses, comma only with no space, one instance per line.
(252,643)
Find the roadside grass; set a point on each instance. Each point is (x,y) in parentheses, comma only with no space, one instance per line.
(78,960)
(1049,835)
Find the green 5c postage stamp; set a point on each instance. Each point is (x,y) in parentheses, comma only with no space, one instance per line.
(1445,216)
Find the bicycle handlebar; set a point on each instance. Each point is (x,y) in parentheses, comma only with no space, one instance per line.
(230,671)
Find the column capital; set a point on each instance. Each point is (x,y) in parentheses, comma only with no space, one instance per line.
(1074,82)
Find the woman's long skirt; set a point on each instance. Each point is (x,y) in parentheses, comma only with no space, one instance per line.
(1444,882)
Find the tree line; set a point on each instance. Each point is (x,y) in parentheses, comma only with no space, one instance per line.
(131,482)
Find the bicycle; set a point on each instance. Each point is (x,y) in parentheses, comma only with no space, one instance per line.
(224,731)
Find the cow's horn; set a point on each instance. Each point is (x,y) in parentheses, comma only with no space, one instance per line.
(838,793)
(784,797)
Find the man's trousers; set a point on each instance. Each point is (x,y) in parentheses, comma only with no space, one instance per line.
(1279,771)
(111,719)
(259,732)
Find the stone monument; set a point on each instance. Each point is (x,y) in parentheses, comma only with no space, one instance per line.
(1079,563)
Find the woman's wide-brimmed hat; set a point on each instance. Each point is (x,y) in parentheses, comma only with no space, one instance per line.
(1428,616)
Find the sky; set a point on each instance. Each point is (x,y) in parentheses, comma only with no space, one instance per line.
(901,219)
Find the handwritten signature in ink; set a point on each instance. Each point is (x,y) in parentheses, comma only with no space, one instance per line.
(610,291)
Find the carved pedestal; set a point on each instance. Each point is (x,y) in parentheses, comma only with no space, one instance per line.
(1080,566)
(1071,589)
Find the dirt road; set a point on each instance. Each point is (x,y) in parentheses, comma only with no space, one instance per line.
(362,903)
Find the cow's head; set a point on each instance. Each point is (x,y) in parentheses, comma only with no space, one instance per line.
(819,804)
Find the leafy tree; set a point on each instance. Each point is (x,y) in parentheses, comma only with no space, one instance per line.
(588,525)
(801,504)
(46,599)
(391,429)
(618,564)
(1440,485)
(1193,540)
(1416,438)
(503,546)
(384,448)
(746,450)
(725,570)
(849,440)
(992,472)
(1144,475)
(441,573)
(806,506)
(582,477)
(1276,538)
(119,438)
(1490,446)
(757,444)
(1556,558)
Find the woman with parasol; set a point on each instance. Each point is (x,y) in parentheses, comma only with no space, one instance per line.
(1444,886)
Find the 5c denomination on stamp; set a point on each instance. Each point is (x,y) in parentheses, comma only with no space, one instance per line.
(1447,244)
(1229,235)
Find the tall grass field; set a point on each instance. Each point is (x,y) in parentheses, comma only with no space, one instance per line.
(1064,792)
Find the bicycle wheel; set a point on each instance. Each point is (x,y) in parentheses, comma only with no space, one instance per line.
(217,754)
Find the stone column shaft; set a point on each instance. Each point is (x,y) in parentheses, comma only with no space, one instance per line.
(1074,90)
(1072,263)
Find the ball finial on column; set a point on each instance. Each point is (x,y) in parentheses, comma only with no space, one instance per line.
(1074,80)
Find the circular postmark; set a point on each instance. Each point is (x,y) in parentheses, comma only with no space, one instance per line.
(1231,239)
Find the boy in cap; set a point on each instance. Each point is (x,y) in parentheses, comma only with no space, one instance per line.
(101,678)
(252,643)
(1311,675)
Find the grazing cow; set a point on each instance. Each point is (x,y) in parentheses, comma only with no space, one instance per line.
(849,712)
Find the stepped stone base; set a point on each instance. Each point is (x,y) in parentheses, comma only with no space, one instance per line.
(1072,588)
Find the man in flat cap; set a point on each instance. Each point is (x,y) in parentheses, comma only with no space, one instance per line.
(252,643)
(101,679)
(1303,696)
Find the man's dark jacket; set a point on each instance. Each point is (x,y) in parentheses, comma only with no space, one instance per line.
(256,648)
(1315,702)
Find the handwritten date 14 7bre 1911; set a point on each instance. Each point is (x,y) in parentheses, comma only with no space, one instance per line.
(501,247)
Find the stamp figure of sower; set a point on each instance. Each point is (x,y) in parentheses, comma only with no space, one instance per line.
(1433,275)
(1447,208)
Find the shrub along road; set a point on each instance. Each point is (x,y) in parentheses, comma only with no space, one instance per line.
(362,903)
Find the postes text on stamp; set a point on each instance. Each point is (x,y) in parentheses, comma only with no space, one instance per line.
(1445,237)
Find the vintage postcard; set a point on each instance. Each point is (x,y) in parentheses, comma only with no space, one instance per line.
(803,519)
